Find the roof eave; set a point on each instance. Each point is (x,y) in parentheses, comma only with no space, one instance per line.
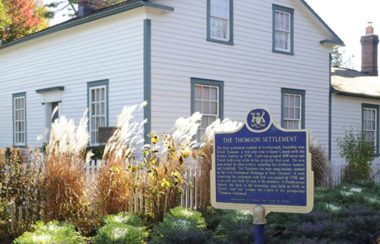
(352,94)
(332,43)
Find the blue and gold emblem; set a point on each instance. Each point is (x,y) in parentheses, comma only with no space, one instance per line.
(258,119)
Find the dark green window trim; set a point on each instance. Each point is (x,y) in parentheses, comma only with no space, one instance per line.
(231,29)
(17,95)
(220,84)
(51,89)
(297,92)
(291,12)
(376,107)
(330,109)
(93,84)
(147,78)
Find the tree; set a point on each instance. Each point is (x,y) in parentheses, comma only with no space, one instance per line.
(71,6)
(340,58)
(19,18)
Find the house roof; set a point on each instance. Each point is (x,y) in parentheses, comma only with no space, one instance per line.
(132,4)
(336,40)
(354,83)
(115,9)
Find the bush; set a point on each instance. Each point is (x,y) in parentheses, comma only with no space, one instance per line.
(52,232)
(359,153)
(121,233)
(21,194)
(121,228)
(123,218)
(319,165)
(181,225)
(235,227)
(346,214)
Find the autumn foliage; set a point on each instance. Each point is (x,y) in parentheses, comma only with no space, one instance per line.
(20,17)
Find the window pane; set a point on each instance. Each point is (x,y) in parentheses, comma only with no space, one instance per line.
(198,106)
(214,108)
(214,93)
(198,92)
(219,8)
(206,93)
(206,107)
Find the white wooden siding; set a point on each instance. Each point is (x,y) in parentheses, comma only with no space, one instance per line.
(346,114)
(253,76)
(110,48)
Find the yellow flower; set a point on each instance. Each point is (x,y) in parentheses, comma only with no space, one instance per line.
(165,183)
(154,139)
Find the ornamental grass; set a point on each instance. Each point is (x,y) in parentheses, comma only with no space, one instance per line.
(65,178)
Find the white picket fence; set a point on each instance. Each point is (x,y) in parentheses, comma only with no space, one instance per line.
(337,168)
(191,192)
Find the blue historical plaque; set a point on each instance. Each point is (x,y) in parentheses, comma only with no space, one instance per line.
(261,164)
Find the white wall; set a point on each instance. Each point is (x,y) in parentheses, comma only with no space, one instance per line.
(253,76)
(346,114)
(109,48)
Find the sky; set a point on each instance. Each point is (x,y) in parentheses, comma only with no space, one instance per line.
(347,18)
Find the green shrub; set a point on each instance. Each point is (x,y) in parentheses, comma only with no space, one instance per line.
(52,232)
(121,228)
(346,214)
(21,194)
(123,218)
(181,225)
(235,227)
(121,233)
(359,153)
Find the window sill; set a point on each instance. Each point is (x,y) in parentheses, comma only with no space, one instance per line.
(231,43)
(283,52)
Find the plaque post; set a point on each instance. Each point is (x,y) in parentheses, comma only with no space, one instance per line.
(259,222)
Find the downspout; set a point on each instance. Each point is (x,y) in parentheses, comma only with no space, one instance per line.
(330,109)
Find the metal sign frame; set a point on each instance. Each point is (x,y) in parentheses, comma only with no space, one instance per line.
(268,208)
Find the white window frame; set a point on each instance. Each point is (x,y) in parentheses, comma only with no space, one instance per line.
(93,129)
(17,133)
(202,100)
(294,94)
(212,18)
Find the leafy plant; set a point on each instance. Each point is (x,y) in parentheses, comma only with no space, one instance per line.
(359,153)
(121,233)
(52,232)
(319,164)
(121,228)
(181,225)
(21,194)
(235,227)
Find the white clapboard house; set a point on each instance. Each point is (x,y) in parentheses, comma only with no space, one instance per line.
(219,57)
(356,96)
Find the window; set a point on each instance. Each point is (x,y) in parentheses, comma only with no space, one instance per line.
(19,119)
(207,98)
(219,21)
(283,30)
(98,107)
(293,109)
(370,117)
